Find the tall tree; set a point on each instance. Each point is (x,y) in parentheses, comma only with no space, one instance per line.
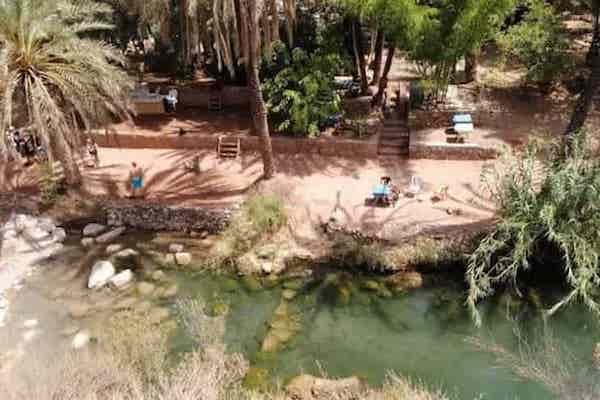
(54,79)
(359,56)
(378,57)
(251,30)
(592,84)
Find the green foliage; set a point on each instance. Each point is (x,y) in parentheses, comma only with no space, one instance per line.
(448,31)
(260,216)
(539,42)
(549,213)
(301,95)
(350,253)
(50,188)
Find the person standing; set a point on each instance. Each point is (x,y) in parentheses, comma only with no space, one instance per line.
(136,180)
(92,150)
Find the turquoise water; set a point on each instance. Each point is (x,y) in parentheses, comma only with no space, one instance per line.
(422,334)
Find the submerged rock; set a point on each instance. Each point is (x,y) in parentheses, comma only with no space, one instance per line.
(406,280)
(110,235)
(251,284)
(93,229)
(176,248)
(183,259)
(102,271)
(288,294)
(145,288)
(78,310)
(596,355)
(308,387)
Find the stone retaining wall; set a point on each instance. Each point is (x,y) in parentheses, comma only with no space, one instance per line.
(231,96)
(451,151)
(326,147)
(156,217)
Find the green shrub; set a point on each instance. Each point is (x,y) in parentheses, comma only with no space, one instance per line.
(266,214)
(549,210)
(539,42)
(50,188)
(302,96)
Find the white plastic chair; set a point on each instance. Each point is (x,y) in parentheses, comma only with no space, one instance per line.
(415,186)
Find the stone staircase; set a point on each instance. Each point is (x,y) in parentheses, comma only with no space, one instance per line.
(394,139)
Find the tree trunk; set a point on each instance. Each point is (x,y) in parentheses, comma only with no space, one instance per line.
(470,67)
(584,102)
(595,45)
(359,57)
(266,28)
(258,106)
(274,20)
(378,99)
(378,58)
(289,7)
(62,151)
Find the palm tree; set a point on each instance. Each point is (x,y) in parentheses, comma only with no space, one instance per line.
(251,43)
(54,77)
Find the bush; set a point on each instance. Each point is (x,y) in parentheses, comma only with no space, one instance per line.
(549,210)
(302,95)
(539,42)
(50,188)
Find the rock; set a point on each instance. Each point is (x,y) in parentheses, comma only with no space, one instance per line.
(70,330)
(294,284)
(596,355)
(371,285)
(288,294)
(110,235)
(81,339)
(143,306)
(30,323)
(170,291)
(145,288)
(175,248)
(126,303)
(158,315)
(122,279)
(127,253)
(93,229)
(251,284)
(203,235)
(31,334)
(308,387)
(267,252)
(406,280)
(102,271)
(183,258)
(267,267)
(58,292)
(249,264)
(59,235)
(159,276)
(47,224)
(78,310)
(170,258)
(114,248)
(87,242)
(36,234)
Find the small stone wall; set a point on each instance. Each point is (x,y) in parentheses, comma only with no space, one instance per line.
(451,151)
(231,96)
(357,107)
(156,217)
(323,146)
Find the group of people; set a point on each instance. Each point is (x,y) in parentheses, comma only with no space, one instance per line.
(28,146)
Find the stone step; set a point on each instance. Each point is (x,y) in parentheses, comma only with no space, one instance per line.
(393,151)
(394,142)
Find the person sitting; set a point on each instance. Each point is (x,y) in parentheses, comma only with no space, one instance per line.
(171,101)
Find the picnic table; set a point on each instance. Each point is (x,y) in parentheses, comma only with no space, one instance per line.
(462,119)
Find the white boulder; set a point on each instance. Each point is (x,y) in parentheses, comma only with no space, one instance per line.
(59,235)
(93,229)
(81,339)
(122,279)
(102,271)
